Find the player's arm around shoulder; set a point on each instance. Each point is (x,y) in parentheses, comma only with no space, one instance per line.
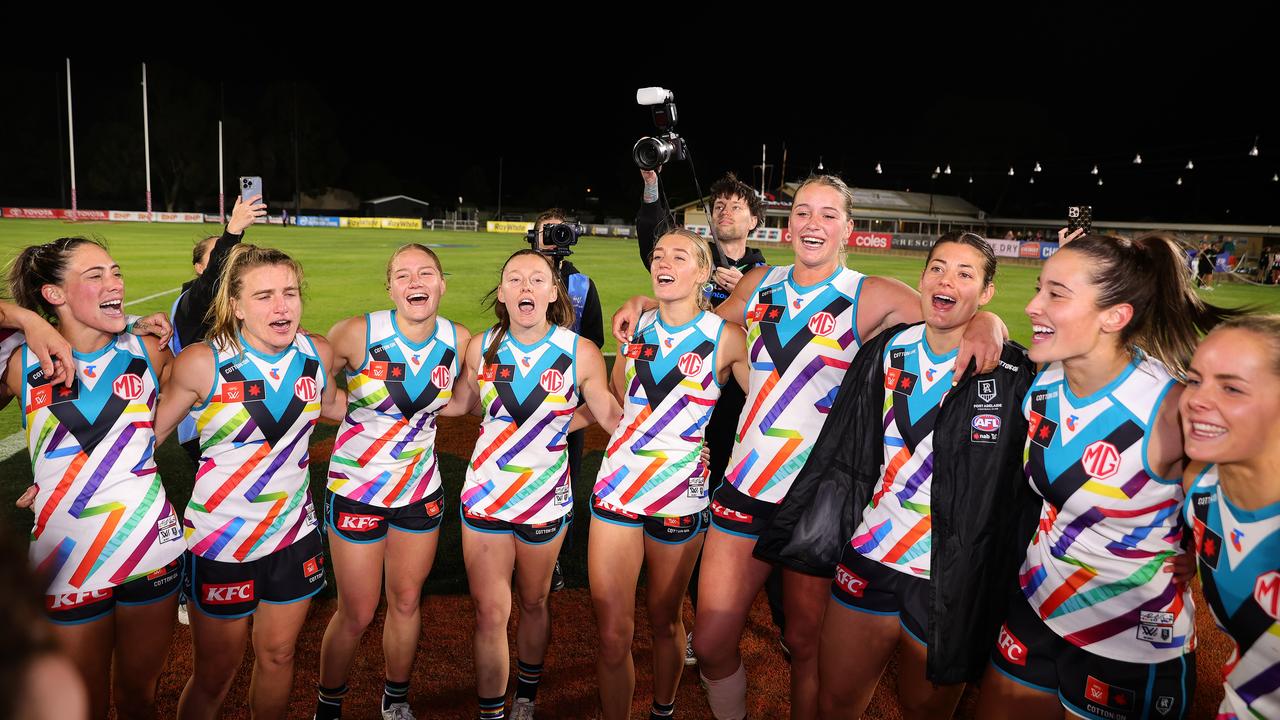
(189,382)
(158,356)
(333,401)
(884,302)
(347,340)
(731,355)
(734,308)
(466,389)
(1164,445)
(593,385)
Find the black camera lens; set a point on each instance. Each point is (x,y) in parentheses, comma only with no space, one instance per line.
(651,153)
(561,235)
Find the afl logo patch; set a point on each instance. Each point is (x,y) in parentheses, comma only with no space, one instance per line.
(690,364)
(441,377)
(127,387)
(551,380)
(986,423)
(822,323)
(305,389)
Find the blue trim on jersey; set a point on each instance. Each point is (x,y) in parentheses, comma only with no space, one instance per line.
(1146,438)
(715,353)
(208,396)
(791,279)
(324,371)
(746,307)
(1023,683)
(510,337)
(368,342)
(308,596)
(910,634)
(866,611)
(857,295)
(1104,391)
(146,356)
(576,387)
(246,348)
(395,328)
(23,397)
(94,355)
(1266,512)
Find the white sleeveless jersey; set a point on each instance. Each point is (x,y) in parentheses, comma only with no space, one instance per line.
(519,471)
(1094,568)
(101,515)
(652,464)
(896,528)
(10,340)
(384,454)
(800,341)
(1239,554)
(251,496)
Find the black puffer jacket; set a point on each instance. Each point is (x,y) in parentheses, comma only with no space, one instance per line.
(983,510)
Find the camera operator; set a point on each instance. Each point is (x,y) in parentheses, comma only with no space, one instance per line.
(588,321)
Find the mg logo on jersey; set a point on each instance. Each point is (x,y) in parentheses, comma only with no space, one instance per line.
(850,581)
(227,594)
(551,380)
(690,364)
(305,389)
(1266,592)
(822,323)
(1101,460)
(441,377)
(71,601)
(1012,650)
(127,387)
(357,523)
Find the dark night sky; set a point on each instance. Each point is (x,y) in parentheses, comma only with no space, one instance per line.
(426,126)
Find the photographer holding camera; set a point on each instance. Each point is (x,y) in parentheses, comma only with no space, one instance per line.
(552,234)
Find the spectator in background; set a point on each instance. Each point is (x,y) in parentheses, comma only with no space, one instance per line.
(191,309)
(588,321)
(1204,266)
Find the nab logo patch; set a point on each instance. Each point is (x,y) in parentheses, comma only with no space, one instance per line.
(305,389)
(1266,592)
(228,594)
(127,387)
(850,581)
(986,428)
(690,364)
(822,324)
(551,380)
(1101,460)
(357,523)
(441,377)
(1011,648)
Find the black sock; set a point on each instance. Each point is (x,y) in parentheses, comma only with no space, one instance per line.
(329,704)
(494,708)
(662,712)
(528,676)
(394,692)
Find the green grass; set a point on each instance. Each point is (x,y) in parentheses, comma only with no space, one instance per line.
(345,273)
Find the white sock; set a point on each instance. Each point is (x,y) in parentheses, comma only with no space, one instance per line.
(727,697)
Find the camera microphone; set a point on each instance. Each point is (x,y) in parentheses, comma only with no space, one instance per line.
(653,96)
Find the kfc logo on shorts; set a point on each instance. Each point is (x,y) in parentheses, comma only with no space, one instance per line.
(1012,650)
(849,581)
(71,601)
(822,323)
(127,387)
(690,364)
(357,523)
(551,380)
(313,566)
(1266,592)
(305,389)
(228,594)
(441,377)
(728,514)
(610,507)
(1101,460)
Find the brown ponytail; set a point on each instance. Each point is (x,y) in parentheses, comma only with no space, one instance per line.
(1149,273)
(40,265)
(559,312)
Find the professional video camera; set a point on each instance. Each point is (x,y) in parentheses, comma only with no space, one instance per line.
(557,235)
(650,153)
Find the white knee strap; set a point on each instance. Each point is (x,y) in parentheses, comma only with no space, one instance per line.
(727,697)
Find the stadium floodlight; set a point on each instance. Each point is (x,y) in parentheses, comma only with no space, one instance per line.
(1191,165)
(1010,171)
(1099,182)
(1253,152)
(1137,159)
(948,170)
(1179,181)
(970,179)
(1037,167)
(1275,177)
(937,170)
(1033,181)
(879,170)
(1094,171)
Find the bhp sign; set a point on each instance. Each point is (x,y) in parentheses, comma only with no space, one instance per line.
(871,240)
